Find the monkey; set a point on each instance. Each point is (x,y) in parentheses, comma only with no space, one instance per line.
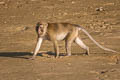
(62,31)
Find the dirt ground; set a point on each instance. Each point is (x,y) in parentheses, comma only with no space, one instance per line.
(101,18)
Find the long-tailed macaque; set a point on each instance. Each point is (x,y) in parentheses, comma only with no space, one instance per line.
(62,31)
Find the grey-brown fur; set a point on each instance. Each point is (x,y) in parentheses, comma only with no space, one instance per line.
(62,31)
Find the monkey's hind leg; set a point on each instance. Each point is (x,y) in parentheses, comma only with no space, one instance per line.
(68,47)
(81,44)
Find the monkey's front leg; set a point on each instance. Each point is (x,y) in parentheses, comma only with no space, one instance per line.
(56,48)
(38,45)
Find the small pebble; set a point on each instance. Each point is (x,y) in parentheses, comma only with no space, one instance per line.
(33,0)
(65,13)
(25,28)
(73,2)
(1,3)
(69,64)
(100,9)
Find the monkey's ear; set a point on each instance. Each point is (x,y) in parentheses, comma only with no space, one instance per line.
(46,24)
(38,24)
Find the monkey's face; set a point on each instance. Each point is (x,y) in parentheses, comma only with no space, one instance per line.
(41,29)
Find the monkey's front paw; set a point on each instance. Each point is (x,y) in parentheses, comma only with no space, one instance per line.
(56,57)
(68,55)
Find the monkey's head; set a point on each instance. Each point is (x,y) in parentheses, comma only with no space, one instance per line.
(41,28)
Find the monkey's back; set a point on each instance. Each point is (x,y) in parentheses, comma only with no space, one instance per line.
(59,30)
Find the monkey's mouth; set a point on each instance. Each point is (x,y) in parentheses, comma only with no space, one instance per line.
(41,35)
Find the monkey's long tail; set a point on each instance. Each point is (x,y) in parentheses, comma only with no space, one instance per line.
(107,49)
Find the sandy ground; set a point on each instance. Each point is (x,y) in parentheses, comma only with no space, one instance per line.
(101,18)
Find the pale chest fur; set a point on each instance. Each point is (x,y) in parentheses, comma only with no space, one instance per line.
(61,36)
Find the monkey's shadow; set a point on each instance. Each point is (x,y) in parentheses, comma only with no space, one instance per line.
(15,54)
(27,55)
(50,53)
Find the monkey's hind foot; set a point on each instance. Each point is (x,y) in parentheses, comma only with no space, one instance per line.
(32,58)
(68,55)
(57,56)
(87,53)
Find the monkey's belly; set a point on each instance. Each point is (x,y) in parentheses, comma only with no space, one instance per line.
(61,36)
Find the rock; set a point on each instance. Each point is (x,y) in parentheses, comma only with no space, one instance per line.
(33,14)
(2,3)
(33,0)
(73,2)
(25,28)
(100,9)
(65,13)
(109,4)
(103,26)
(94,72)
(69,64)
(103,71)
(5,22)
